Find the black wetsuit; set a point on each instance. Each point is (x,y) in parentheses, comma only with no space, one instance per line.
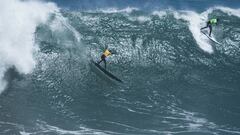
(209,25)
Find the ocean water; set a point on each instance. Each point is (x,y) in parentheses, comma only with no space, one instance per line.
(176,80)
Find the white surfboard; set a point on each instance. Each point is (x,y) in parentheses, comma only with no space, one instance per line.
(211,38)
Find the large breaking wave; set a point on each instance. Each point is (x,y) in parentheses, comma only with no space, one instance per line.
(18,23)
(174,77)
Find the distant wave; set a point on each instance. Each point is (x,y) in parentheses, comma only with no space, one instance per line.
(114,10)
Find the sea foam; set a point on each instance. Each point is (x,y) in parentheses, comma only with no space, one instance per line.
(19,20)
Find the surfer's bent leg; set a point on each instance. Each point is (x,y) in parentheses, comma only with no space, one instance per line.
(210,32)
(105,63)
(208,24)
(99,62)
(204,28)
(102,59)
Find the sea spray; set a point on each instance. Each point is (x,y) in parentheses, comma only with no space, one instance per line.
(19,20)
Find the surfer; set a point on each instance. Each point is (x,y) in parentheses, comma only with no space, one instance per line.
(211,22)
(105,54)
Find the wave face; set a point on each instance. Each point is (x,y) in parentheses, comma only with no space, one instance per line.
(176,81)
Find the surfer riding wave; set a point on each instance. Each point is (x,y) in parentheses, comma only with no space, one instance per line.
(106,53)
(211,22)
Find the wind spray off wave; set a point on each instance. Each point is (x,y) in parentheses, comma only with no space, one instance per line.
(19,20)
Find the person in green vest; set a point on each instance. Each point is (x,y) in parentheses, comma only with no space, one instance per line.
(211,22)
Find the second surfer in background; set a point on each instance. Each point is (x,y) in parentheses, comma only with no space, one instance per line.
(210,23)
(105,54)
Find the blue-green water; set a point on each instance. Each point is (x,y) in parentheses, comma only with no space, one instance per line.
(176,81)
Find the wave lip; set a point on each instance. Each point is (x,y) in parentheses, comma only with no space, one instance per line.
(116,10)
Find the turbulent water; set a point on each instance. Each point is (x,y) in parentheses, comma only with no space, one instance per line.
(176,81)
